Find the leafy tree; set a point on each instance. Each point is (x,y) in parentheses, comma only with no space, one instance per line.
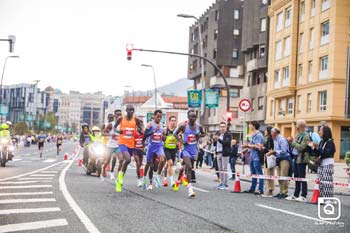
(20,128)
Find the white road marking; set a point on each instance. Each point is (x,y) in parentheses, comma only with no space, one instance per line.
(25,186)
(29,200)
(81,215)
(14,160)
(48,172)
(36,178)
(25,194)
(43,175)
(202,190)
(26,226)
(291,213)
(25,211)
(19,182)
(29,173)
(49,160)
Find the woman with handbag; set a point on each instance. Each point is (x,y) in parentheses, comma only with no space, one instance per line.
(326,150)
(268,145)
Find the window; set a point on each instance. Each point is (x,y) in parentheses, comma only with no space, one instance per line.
(216,32)
(323,100)
(235,53)
(287,46)
(282,110)
(272,107)
(325,33)
(262,51)
(302,11)
(326,4)
(263,24)
(310,72)
(216,15)
(277,79)
(253,104)
(324,67)
(311,45)
(300,76)
(235,32)
(309,102)
(278,50)
(290,106)
(288,17)
(260,103)
(301,49)
(234,72)
(234,92)
(279,21)
(313,6)
(236,14)
(298,103)
(286,76)
(214,53)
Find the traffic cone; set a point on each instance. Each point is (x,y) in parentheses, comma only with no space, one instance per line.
(237,185)
(142,171)
(108,168)
(80,162)
(316,193)
(65,157)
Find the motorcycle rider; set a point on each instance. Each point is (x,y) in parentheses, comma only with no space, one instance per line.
(85,140)
(5,135)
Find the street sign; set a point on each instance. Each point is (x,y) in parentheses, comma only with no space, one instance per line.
(149,117)
(4,110)
(211,98)
(244,105)
(194,98)
(29,118)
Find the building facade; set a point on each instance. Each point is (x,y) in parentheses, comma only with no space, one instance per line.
(307,72)
(255,32)
(220,27)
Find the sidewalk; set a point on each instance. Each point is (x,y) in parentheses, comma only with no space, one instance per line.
(340,176)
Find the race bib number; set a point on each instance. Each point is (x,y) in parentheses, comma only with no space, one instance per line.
(138,143)
(191,139)
(129,133)
(157,137)
(59,141)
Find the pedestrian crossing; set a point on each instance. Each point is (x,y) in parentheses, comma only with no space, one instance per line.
(29,202)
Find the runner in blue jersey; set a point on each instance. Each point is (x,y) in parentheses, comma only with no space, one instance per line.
(154,131)
(41,141)
(191,132)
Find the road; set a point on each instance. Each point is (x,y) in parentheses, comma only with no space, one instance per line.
(67,200)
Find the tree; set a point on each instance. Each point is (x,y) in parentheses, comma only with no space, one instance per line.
(20,128)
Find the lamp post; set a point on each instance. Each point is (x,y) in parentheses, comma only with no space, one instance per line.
(155,84)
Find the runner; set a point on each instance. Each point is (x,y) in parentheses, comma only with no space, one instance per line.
(170,150)
(41,140)
(191,133)
(155,147)
(138,154)
(59,142)
(85,140)
(127,127)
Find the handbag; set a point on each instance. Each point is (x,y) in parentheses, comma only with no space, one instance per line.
(271,161)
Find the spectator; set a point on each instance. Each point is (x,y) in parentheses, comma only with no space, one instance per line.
(326,150)
(256,144)
(215,162)
(199,161)
(233,158)
(283,160)
(268,146)
(245,155)
(209,150)
(300,144)
(223,150)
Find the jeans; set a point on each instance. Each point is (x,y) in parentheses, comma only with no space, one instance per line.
(300,172)
(222,164)
(210,159)
(233,165)
(255,168)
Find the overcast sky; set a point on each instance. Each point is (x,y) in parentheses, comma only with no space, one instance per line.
(80,44)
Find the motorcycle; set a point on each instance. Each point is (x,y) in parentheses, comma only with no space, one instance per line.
(96,158)
(6,151)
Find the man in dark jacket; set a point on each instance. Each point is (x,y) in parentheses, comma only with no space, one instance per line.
(233,157)
(223,151)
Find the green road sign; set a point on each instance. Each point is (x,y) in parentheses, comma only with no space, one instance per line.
(211,98)
(4,110)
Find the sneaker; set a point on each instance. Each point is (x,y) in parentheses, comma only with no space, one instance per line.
(176,186)
(217,180)
(118,186)
(139,183)
(157,181)
(150,187)
(267,194)
(301,199)
(111,175)
(144,183)
(184,181)
(120,177)
(226,187)
(284,196)
(219,187)
(232,178)
(259,192)
(249,191)
(102,178)
(191,194)
(165,183)
(291,198)
(278,195)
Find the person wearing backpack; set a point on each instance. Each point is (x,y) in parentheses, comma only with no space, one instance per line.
(300,147)
(325,151)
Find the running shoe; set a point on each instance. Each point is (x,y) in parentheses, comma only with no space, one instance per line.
(157,181)
(165,183)
(150,187)
(144,183)
(118,186)
(139,182)
(291,198)
(176,186)
(120,178)
(191,194)
(301,199)
(111,175)
(184,181)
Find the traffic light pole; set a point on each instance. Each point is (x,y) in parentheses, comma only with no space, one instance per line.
(201,57)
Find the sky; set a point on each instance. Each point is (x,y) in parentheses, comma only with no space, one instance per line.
(81,44)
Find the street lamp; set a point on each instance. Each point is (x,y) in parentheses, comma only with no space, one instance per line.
(155,85)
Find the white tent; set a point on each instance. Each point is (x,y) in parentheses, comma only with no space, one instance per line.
(161,104)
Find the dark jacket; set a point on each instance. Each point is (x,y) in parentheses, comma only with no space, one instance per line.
(326,151)
(234,150)
(226,144)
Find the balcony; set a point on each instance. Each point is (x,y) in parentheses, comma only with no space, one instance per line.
(217,82)
(252,65)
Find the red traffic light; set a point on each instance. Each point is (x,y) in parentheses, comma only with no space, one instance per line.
(229,116)
(129,49)
(129,55)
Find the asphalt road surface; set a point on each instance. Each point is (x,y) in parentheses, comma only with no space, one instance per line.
(53,195)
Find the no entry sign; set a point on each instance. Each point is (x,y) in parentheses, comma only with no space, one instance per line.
(245,105)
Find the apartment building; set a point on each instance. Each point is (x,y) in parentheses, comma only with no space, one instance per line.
(307,71)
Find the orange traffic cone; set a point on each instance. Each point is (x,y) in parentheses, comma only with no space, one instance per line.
(80,162)
(237,185)
(142,171)
(108,168)
(316,193)
(65,157)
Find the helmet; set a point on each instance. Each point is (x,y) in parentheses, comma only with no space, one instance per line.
(95,128)
(84,125)
(9,123)
(4,126)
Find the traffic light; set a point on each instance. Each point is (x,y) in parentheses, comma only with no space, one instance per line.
(129,48)
(228,117)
